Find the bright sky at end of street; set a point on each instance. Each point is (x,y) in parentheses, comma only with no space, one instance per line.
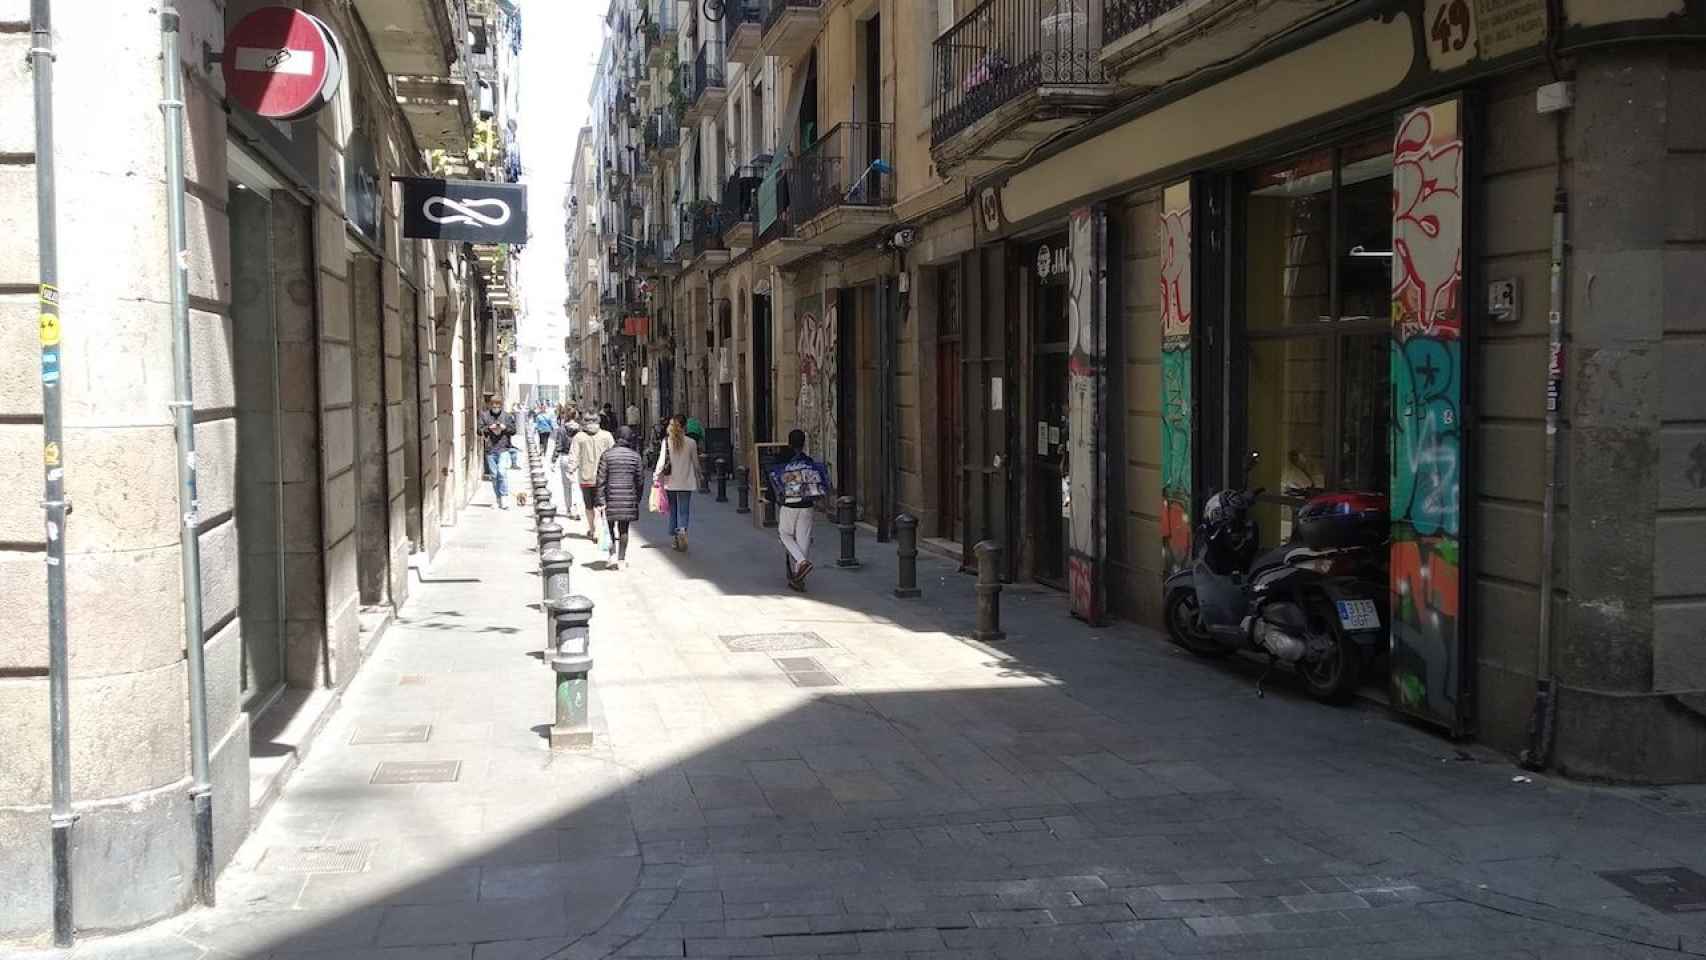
(559,53)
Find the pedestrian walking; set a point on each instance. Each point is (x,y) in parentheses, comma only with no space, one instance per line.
(568,429)
(607,418)
(797,483)
(589,445)
(633,417)
(678,467)
(496,428)
(545,426)
(621,481)
(517,417)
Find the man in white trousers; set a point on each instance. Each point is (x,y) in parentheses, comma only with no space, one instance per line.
(797,484)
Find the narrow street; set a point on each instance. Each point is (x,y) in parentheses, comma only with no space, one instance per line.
(842,772)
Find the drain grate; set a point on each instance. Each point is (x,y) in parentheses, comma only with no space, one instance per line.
(772,642)
(806,672)
(392,733)
(1666,889)
(317,858)
(417,771)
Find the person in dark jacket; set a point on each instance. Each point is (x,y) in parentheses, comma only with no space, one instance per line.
(621,480)
(796,485)
(496,427)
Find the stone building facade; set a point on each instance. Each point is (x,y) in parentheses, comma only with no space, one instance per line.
(337,369)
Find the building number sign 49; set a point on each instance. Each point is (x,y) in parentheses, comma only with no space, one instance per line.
(1451,23)
(1459,31)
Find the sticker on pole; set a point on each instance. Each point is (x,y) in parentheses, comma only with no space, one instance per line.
(281,63)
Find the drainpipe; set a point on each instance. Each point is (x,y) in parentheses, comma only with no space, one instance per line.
(53,470)
(183,416)
(1543,721)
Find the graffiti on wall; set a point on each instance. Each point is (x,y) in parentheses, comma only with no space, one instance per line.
(1176,395)
(1084,363)
(815,409)
(1426,435)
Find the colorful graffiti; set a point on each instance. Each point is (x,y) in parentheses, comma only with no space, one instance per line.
(1427,395)
(1176,386)
(1084,545)
(815,409)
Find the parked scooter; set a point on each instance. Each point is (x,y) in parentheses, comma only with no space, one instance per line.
(1318,602)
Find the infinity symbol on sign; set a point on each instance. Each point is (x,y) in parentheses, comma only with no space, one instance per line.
(467,213)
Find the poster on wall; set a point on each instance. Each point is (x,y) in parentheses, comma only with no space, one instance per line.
(1086,551)
(1428,654)
(816,406)
(1176,395)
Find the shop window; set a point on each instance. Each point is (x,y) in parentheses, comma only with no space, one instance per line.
(1317,252)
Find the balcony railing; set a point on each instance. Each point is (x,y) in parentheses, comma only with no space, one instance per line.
(701,228)
(1006,48)
(773,9)
(740,196)
(707,68)
(1120,17)
(851,165)
(737,13)
(663,130)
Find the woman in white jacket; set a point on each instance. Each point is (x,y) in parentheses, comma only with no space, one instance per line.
(678,466)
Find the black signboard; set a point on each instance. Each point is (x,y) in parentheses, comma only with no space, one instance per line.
(476,211)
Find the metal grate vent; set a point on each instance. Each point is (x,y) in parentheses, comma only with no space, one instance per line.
(417,771)
(392,733)
(772,642)
(317,858)
(1665,889)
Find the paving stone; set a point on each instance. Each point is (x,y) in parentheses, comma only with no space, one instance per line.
(1309,902)
(1195,891)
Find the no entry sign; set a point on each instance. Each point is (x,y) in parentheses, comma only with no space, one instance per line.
(281,63)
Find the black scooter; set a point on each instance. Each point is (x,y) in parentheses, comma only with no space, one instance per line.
(1318,602)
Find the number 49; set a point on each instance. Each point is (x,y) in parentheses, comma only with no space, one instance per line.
(1451,26)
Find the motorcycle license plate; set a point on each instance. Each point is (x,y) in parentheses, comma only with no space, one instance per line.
(1359,615)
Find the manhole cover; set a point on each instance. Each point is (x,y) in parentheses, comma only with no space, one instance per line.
(1667,889)
(417,771)
(798,664)
(772,642)
(319,858)
(413,733)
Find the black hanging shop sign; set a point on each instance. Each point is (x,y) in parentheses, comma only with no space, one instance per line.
(476,211)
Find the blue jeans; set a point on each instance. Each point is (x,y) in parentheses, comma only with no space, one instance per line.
(495,469)
(680,509)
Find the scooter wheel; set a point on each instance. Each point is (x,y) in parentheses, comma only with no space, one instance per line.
(1184,625)
(1334,677)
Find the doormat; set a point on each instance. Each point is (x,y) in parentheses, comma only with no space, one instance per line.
(772,642)
(1667,889)
(417,771)
(316,858)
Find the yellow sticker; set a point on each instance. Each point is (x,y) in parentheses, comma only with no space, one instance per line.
(49,329)
(50,454)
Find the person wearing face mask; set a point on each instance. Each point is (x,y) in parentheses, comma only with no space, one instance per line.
(496,429)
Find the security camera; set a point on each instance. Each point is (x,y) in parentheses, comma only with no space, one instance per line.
(904,237)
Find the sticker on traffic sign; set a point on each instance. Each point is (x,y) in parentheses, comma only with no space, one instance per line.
(281,63)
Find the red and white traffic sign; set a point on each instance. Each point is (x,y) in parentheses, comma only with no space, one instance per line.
(281,63)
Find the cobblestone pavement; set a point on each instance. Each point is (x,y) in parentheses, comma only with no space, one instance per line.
(846,773)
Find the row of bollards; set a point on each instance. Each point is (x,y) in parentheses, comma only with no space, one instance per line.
(568,616)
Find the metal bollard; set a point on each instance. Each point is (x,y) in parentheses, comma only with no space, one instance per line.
(844,522)
(543,509)
(554,568)
(722,480)
(571,661)
(988,591)
(906,548)
(704,478)
(743,496)
(550,537)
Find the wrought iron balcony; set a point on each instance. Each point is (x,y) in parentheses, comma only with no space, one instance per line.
(701,228)
(742,29)
(707,93)
(790,27)
(1006,49)
(663,130)
(740,206)
(850,166)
